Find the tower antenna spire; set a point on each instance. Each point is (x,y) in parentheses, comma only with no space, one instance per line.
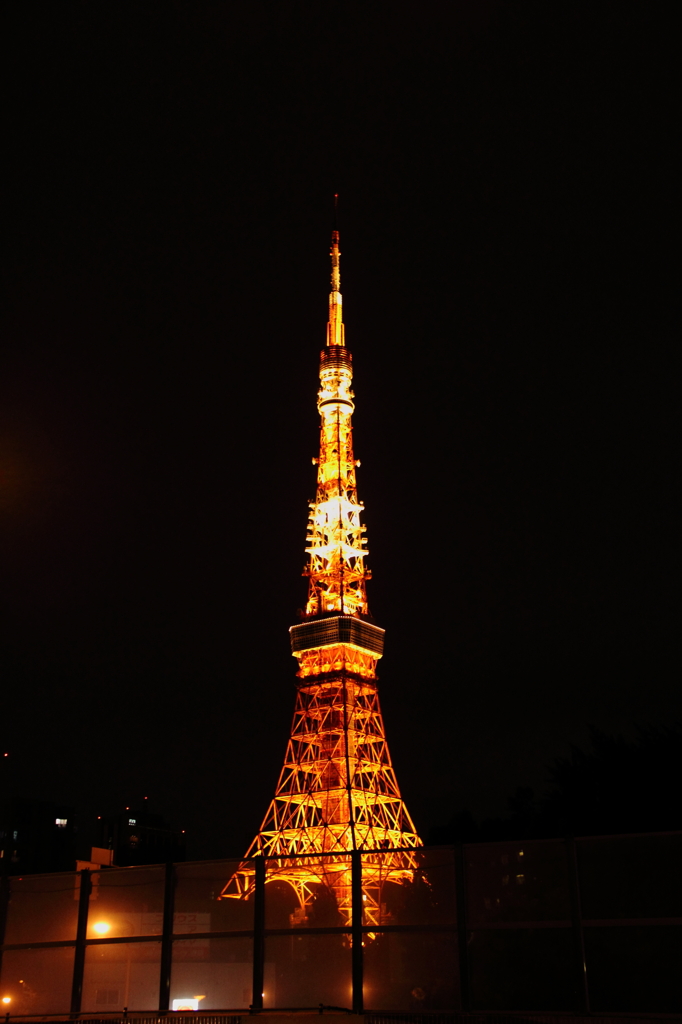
(335,330)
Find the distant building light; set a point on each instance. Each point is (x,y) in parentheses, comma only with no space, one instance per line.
(60,822)
(7,999)
(15,835)
(185,1004)
(132,821)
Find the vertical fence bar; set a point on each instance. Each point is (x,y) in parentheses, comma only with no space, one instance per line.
(81,935)
(462,934)
(4,906)
(167,938)
(258,936)
(357,951)
(580,963)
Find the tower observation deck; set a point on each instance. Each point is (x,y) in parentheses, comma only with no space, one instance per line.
(337,791)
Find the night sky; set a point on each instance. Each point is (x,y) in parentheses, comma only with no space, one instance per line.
(505,181)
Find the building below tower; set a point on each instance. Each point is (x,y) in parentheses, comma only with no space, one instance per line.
(137,836)
(36,836)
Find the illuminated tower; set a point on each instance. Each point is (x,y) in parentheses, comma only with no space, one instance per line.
(337,791)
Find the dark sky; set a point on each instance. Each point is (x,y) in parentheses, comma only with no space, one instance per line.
(505,173)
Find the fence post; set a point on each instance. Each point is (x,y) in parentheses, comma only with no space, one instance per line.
(81,935)
(258,936)
(462,933)
(167,938)
(580,964)
(357,951)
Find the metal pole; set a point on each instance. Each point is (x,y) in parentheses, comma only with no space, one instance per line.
(81,935)
(462,933)
(580,968)
(167,938)
(258,936)
(356,931)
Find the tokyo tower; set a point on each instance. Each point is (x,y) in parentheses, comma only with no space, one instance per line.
(337,791)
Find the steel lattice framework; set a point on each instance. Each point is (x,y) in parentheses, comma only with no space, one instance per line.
(337,791)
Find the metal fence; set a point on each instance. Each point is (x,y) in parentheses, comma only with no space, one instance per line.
(587,925)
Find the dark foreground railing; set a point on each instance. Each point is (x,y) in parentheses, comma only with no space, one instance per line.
(298,1016)
(553,926)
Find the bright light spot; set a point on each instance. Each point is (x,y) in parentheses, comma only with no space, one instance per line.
(101,927)
(132,821)
(6,999)
(60,822)
(185,1004)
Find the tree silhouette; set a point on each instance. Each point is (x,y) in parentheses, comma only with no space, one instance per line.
(617,785)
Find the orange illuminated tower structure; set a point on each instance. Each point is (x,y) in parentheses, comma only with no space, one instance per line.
(337,791)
